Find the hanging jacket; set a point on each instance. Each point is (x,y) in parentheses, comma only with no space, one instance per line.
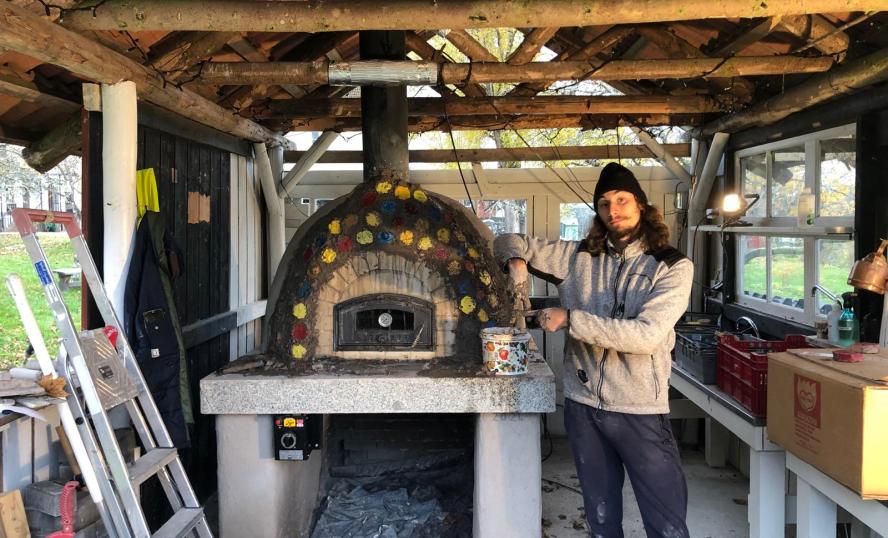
(623,306)
(152,324)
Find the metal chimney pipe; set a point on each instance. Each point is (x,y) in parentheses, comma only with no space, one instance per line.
(384,111)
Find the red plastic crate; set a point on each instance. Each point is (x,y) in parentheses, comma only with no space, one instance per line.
(743,366)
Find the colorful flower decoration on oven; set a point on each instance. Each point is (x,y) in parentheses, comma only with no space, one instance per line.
(335,227)
(388,206)
(300,331)
(482,315)
(307,254)
(421,225)
(320,240)
(398,221)
(328,256)
(402,192)
(304,290)
(406,237)
(492,301)
(467,305)
(424,243)
(368,199)
(420,196)
(385,237)
(383,187)
(314,271)
(350,221)
(453,268)
(473,253)
(300,311)
(470,267)
(365,237)
(440,253)
(434,213)
(461,237)
(298,351)
(344,244)
(372,219)
(443,235)
(484,277)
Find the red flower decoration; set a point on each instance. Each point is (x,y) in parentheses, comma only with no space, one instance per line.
(398,222)
(307,254)
(440,253)
(411,207)
(448,218)
(470,267)
(368,199)
(300,332)
(344,244)
(480,295)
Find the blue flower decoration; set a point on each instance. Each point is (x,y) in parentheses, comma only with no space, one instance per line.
(489,324)
(461,250)
(304,290)
(388,206)
(435,213)
(320,240)
(463,287)
(385,237)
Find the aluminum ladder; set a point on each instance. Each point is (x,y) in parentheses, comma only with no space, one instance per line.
(118,480)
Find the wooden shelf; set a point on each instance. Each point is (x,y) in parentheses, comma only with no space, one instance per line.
(811,231)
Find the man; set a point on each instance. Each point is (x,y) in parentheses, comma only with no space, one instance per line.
(622,290)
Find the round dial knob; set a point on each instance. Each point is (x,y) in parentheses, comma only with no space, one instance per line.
(288,440)
(385,319)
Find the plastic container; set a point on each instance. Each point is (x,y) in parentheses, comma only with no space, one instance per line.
(743,368)
(806,208)
(504,350)
(696,352)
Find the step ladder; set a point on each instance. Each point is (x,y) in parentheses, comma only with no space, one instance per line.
(99,379)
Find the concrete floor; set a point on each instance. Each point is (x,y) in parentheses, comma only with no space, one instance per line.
(716,504)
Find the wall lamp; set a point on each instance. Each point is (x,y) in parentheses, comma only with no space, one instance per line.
(734,207)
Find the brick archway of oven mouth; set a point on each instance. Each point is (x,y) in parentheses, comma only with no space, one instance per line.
(393,238)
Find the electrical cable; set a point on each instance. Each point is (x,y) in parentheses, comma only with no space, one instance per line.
(456,157)
(561,485)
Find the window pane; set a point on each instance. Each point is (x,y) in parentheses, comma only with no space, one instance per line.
(835,259)
(788,271)
(502,216)
(753,256)
(837,171)
(788,180)
(753,176)
(576,221)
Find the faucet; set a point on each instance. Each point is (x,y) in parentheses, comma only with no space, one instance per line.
(751,324)
(826,292)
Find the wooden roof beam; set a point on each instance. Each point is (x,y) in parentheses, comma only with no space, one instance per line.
(313,73)
(424,50)
(334,15)
(535,40)
(34,36)
(65,139)
(560,153)
(473,123)
(173,56)
(747,37)
(497,106)
(818,31)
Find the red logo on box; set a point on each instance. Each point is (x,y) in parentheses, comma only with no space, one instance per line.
(807,400)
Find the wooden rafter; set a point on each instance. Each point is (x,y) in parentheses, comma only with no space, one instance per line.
(309,73)
(175,55)
(474,123)
(497,106)
(421,47)
(28,91)
(47,42)
(334,15)
(468,45)
(533,42)
(817,30)
(752,34)
(560,153)
(43,154)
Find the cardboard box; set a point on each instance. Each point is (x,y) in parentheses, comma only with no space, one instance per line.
(832,415)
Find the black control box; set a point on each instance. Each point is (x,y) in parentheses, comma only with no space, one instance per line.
(295,436)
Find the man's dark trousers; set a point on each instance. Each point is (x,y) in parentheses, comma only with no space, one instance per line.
(603,443)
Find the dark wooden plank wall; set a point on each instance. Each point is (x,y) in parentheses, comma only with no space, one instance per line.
(194,183)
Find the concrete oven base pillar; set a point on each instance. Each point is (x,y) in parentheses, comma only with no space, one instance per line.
(508,473)
(259,496)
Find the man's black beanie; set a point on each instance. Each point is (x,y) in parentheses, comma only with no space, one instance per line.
(616,177)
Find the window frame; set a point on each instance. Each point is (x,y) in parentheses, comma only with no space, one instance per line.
(783,225)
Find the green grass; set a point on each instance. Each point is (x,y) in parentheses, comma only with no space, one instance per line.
(789,279)
(14,259)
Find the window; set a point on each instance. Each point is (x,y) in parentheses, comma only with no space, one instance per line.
(576,221)
(501,216)
(777,263)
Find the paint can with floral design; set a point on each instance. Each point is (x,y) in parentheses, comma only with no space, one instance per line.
(505,350)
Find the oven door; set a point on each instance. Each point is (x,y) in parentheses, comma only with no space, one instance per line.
(384,322)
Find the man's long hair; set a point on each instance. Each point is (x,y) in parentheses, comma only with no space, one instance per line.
(651,229)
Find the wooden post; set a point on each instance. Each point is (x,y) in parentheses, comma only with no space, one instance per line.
(384,121)
(274,205)
(306,161)
(663,156)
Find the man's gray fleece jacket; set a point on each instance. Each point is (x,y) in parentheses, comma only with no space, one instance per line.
(623,306)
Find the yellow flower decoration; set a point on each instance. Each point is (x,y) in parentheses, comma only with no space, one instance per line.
(420,196)
(460,236)
(402,192)
(443,235)
(473,253)
(406,237)
(467,305)
(454,267)
(335,227)
(298,351)
(482,315)
(372,218)
(425,243)
(484,277)
(365,237)
(493,301)
(328,255)
(300,311)
(422,225)
(383,187)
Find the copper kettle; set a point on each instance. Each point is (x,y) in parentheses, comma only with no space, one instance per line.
(871,273)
